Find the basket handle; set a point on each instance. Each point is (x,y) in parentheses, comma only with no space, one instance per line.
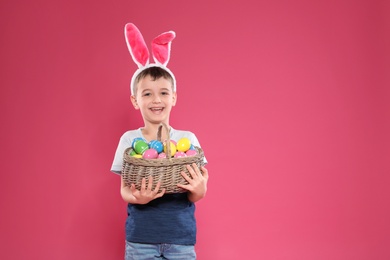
(168,141)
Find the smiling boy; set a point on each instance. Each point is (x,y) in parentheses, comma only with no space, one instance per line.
(158,225)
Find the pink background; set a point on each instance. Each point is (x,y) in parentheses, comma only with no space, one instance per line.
(289,99)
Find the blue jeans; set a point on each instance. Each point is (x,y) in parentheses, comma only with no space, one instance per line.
(137,251)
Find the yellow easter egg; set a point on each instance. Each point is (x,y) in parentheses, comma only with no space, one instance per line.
(173,148)
(183,145)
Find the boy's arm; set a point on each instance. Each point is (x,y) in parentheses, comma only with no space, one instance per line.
(197,185)
(144,195)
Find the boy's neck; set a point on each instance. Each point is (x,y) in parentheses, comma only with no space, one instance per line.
(149,131)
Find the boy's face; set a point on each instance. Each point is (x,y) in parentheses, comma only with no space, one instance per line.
(155,99)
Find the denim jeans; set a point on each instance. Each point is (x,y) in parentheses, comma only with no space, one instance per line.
(137,251)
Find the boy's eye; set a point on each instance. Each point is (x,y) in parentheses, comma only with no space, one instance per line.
(146,94)
(164,93)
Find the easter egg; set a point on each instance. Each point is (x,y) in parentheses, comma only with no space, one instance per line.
(140,146)
(183,144)
(162,155)
(150,154)
(173,148)
(192,147)
(191,152)
(180,154)
(132,152)
(157,145)
(136,140)
(137,155)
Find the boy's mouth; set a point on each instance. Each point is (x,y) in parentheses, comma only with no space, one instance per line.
(157,109)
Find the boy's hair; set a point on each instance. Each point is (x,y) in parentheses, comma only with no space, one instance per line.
(155,73)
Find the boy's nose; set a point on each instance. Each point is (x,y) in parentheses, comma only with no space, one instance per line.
(156,99)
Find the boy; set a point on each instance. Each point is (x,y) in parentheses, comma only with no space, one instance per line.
(158,225)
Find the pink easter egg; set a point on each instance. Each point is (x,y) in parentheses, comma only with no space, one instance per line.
(162,155)
(180,154)
(191,152)
(150,154)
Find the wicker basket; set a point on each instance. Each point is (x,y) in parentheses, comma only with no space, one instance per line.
(166,170)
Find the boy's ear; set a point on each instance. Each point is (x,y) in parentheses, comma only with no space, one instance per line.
(174,96)
(134,102)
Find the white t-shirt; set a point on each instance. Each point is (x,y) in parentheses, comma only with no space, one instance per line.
(128,137)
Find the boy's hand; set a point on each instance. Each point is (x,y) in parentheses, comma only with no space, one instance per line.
(142,196)
(197,185)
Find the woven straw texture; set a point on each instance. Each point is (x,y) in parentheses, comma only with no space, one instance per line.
(167,171)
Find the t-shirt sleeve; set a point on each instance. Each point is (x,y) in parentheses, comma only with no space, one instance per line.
(195,142)
(118,158)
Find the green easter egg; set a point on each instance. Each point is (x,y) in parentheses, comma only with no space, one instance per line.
(140,147)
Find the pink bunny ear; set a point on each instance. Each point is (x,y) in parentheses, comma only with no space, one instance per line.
(161,47)
(136,45)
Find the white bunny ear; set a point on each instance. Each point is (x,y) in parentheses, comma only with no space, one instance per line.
(161,47)
(136,45)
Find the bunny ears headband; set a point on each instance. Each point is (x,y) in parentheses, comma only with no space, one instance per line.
(161,50)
